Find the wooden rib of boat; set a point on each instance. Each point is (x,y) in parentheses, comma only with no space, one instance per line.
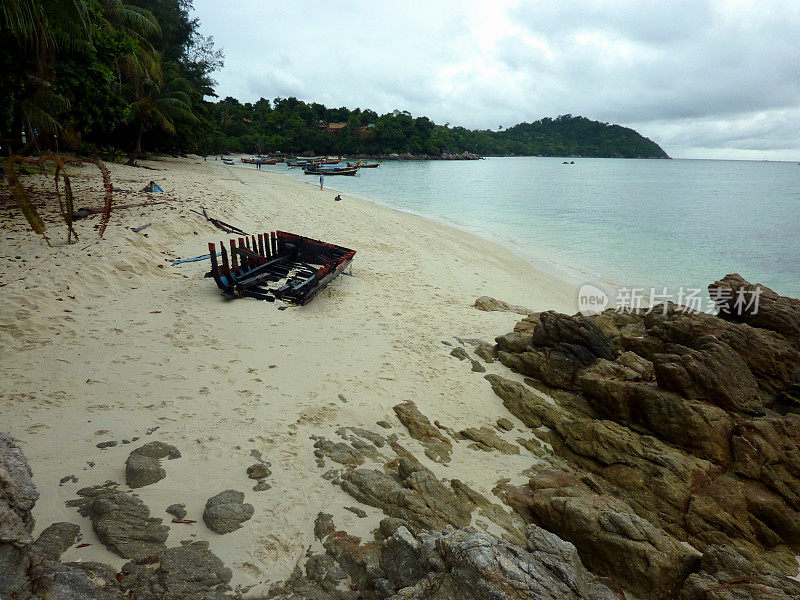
(336,171)
(277,266)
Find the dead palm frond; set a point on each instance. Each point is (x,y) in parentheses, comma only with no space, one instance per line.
(66,203)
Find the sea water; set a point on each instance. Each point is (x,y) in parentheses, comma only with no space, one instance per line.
(620,223)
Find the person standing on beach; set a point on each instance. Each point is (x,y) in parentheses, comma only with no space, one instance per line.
(321,180)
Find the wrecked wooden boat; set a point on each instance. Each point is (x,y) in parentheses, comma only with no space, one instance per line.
(277,266)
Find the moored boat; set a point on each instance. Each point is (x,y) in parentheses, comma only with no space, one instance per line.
(362,165)
(331,171)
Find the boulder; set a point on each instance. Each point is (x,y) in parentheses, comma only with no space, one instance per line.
(226,511)
(611,539)
(54,541)
(487,439)
(487,303)
(141,470)
(122,522)
(18,495)
(772,311)
(444,565)
(724,574)
(191,571)
(177,510)
(158,450)
(258,471)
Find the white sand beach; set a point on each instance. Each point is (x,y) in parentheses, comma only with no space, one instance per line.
(103,341)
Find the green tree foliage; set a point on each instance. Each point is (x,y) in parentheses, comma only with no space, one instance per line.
(135,75)
(291,125)
(104,74)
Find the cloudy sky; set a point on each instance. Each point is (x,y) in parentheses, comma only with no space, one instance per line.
(703,78)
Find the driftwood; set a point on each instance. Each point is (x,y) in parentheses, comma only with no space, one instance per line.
(86,211)
(227,228)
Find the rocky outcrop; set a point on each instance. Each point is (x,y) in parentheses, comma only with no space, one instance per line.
(486,439)
(437,446)
(17,498)
(225,512)
(192,571)
(454,565)
(666,427)
(487,303)
(724,574)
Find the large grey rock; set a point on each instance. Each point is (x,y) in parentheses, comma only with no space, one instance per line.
(56,581)
(17,495)
(226,511)
(54,541)
(158,450)
(122,521)
(724,574)
(453,565)
(141,470)
(17,498)
(191,571)
(177,510)
(258,471)
(675,426)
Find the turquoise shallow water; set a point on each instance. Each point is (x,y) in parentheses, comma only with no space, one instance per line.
(632,223)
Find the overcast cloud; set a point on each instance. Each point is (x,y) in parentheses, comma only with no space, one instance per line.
(704,79)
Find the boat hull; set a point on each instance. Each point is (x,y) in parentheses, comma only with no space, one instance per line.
(277,266)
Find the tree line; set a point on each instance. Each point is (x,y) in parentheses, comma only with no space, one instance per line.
(121,77)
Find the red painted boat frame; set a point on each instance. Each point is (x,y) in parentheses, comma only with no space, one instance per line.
(303,265)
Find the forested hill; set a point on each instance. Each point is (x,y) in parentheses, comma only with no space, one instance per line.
(291,125)
(123,77)
(578,136)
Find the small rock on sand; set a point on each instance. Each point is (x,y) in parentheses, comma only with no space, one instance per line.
(226,511)
(177,510)
(142,470)
(258,471)
(459,353)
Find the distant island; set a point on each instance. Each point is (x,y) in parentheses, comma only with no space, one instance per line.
(118,79)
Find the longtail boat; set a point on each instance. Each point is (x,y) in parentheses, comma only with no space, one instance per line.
(362,165)
(331,171)
(277,266)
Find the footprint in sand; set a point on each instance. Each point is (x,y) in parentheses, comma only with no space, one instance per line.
(37,428)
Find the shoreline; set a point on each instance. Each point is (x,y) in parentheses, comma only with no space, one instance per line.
(106,341)
(539,262)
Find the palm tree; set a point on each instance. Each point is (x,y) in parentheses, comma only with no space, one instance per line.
(41,28)
(159,105)
(141,25)
(44,25)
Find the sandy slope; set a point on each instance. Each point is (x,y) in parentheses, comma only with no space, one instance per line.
(144,344)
